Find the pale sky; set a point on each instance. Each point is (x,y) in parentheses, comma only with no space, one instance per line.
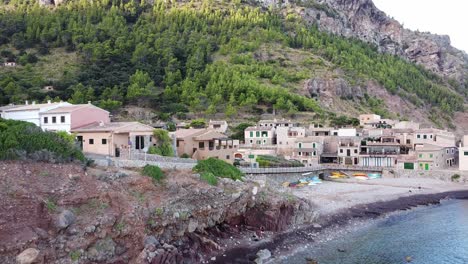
(445,17)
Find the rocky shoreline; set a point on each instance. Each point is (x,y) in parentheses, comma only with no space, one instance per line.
(300,235)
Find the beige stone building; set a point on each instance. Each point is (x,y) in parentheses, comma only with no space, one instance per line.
(348,150)
(308,150)
(205,143)
(258,135)
(114,139)
(218,125)
(368,118)
(434,157)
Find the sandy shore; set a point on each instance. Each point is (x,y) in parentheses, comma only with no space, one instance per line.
(341,203)
(331,197)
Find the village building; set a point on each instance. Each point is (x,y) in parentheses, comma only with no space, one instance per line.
(260,135)
(114,139)
(308,150)
(348,151)
(368,118)
(205,143)
(380,152)
(463,154)
(286,138)
(4,108)
(434,136)
(218,125)
(317,130)
(31,112)
(276,123)
(435,157)
(344,132)
(48,88)
(66,118)
(9,64)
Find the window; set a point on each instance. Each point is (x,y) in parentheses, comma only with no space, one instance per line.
(228,157)
(264,134)
(341,150)
(62,119)
(140,142)
(300,153)
(465,153)
(257,134)
(251,133)
(313,145)
(355,151)
(54,119)
(91,141)
(104,141)
(251,141)
(418,136)
(420,155)
(46,120)
(453,151)
(201,145)
(431,136)
(425,137)
(447,151)
(430,155)
(300,145)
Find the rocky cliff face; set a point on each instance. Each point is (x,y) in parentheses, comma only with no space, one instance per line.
(363,20)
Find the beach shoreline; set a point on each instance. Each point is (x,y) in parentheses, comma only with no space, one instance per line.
(402,195)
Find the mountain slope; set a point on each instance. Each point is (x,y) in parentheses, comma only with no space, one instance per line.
(207,57)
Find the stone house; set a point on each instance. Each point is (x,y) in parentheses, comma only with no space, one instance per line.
(348,150)
(434,157)
(380,152)
(368,118)
(114,139)
(31,112)
(434,136)
(308,150)
(258,135)
(205,143)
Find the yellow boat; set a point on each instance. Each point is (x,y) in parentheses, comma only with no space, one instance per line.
(359,174)
(285,184)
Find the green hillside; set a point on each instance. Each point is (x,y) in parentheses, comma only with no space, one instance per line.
(199,57)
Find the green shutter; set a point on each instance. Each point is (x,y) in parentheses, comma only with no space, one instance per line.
(251,156)
(465,153)
(409,166)
(251,134)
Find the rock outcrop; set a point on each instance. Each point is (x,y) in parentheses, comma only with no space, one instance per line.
(362,19)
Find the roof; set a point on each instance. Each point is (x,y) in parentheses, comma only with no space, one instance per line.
(116,127)
(430,147)
(217,122)
(182,133)
(34,106)
(210,134)
(71,108)
(255,128)
(6,107)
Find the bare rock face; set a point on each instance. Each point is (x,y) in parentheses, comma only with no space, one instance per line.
(28,256)
(327,88)
(363,20)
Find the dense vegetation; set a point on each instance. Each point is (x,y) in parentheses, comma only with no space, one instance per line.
(20,140)
(163,144)
(266,161)
(181,57)
(218,168)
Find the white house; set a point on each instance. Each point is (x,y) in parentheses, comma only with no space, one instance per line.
(4,108)
(31,112)
(463,154)
(66,118)
(344,132)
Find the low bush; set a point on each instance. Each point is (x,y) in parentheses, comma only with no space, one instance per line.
(24,140)
(266,161)
(455,177)
(210,178)
(153,172)
(218,168)
(185,156)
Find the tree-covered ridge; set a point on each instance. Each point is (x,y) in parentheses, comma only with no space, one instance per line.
(164,56)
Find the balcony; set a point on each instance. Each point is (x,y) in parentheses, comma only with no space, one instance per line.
(379,153)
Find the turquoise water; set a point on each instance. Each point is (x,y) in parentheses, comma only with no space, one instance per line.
(430,235)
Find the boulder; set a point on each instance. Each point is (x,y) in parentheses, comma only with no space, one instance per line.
(28,256)
(150,240)
(65,219)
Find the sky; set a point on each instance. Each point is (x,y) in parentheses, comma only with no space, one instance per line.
(445,17)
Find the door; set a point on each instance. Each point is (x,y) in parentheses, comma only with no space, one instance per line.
(348,152)
(140,142)
(426,166)
(79,139)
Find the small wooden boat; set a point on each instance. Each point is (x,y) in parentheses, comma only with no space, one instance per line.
(374,175)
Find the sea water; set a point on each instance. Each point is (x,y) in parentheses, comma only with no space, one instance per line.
(429,235)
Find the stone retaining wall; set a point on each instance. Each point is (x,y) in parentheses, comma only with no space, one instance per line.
(163,164)
(445,175)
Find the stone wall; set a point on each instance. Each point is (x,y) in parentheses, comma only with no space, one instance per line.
(162,162)
(445,175)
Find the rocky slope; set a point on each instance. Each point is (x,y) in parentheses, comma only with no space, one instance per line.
(53,213)
(363,20)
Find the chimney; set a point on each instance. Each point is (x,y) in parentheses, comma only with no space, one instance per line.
(27,102)
(49,101)
(33,102)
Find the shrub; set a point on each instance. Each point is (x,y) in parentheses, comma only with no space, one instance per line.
(210,178)
(198,123)
(455,177)
(218,168)
(274,161)
(163,143)
(154,172)
(19,139)
(185,156)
